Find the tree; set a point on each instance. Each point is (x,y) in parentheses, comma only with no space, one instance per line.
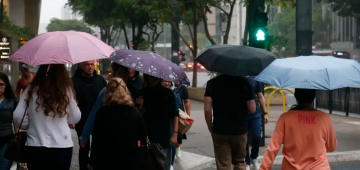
(10,29)
(65,25)
(283,30)
(345,8)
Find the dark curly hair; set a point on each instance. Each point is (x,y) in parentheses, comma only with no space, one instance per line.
(52,84)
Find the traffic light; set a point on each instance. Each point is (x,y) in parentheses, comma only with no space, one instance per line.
(181,56)
(259,32)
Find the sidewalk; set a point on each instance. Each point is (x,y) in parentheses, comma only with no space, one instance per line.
(198,153)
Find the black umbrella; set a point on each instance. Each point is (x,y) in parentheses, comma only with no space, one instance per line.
(235,60)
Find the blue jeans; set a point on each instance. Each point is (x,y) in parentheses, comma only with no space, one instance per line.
(254,128)
(4,163)
(173,148)
(168,154)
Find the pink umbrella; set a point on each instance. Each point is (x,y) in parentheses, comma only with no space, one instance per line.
(62,47)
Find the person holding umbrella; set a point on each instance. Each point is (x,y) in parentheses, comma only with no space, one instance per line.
(49,105)
(306,134)
(61,47)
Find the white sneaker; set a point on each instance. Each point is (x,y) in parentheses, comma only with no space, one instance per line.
(172,167)
(256,164)
(178,152)
(247,167)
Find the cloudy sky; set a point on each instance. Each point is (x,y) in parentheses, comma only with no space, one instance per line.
(51,9)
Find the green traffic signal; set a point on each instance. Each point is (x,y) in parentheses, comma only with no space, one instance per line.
(260,35)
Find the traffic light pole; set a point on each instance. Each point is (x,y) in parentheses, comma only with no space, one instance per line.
(175,38)
(304,27)
(257,6)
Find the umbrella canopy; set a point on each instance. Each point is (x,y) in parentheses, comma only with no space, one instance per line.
(312,72)
(62,47)
(235,60)
(150,63)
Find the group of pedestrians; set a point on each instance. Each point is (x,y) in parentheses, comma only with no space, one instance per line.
(233,108)
(117,116)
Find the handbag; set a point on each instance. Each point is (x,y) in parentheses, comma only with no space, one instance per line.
(185,122)
(153,156)
(16,150)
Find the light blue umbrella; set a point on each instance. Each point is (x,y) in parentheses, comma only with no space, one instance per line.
(312,72)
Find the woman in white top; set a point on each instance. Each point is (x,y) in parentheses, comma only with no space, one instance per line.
(50,106)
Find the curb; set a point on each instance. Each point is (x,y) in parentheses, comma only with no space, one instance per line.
(346,156)
(332,157)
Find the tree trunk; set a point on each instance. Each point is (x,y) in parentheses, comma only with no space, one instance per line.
(133,35)
(228,25)
(195,47)
(247,24)
(125,34)
(207,33)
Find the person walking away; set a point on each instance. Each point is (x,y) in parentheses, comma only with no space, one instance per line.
(109,151)
(7,107)
(23,82)
(231,99)
(169,84)
(135,79)
(87,85)
(161,114)
(254,124)
(306,134)
(118,71)
(186,107)
(49,105)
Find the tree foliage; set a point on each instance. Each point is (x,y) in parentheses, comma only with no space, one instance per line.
(65,25)
(283,30)
(345,8)
(10,29)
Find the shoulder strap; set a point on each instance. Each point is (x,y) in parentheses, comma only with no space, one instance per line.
(22,119)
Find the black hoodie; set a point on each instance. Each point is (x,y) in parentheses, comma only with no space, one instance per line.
(87,91)
(138,82)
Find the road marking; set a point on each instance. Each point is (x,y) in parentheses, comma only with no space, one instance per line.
(352,122)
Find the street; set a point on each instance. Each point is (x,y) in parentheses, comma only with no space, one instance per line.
(203,77)
(334,166)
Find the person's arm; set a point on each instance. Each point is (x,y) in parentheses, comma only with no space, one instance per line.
(186,100)
(174,114)
(208,106)
(89,125)
(73,109)
(331,142)
(96,138)
(249,97)
(277,139)
(208,112)
(19,113)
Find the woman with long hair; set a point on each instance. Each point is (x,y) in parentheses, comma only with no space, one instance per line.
(117,149)
(7,106)
(49,105)
(307,135)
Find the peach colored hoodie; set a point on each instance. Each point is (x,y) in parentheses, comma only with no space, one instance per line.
(307,136)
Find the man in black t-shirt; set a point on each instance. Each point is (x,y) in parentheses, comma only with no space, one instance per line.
(230,98)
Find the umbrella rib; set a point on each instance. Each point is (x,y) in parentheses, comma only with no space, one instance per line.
(327,72)
(93,43)
(31,59)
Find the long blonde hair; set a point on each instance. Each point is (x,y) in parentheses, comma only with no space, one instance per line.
(117,93)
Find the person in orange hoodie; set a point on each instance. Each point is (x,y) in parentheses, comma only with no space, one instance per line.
(307,135)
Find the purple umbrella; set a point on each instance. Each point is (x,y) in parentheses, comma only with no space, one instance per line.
(150,63)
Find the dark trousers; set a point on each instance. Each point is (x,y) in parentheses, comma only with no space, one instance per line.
(83,152)
(42,158)
(230,149)
(254,129)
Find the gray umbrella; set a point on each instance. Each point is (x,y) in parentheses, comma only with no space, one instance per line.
(235,60)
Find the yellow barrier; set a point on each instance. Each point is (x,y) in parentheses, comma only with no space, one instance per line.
(275,90)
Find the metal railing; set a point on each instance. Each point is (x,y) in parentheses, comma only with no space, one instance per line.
(346,100)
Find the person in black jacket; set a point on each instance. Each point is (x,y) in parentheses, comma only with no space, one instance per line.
(117,149)
(87,85)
